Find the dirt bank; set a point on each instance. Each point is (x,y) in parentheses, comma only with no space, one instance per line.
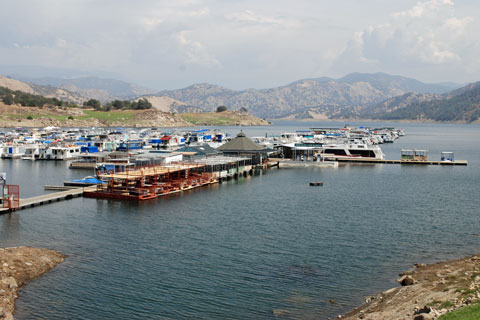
(19,265)
(426,292)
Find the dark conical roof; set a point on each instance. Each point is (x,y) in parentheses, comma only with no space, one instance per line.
(240,143)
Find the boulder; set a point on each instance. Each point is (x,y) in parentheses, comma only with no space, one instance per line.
(406,281)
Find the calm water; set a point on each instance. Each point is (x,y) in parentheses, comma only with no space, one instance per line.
(243,249)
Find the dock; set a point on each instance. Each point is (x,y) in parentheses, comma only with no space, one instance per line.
(288,163)
(407,162)
(48,198)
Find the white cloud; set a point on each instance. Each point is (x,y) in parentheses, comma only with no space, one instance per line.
(250,16)
(428,34)
(243,43)
(458,24)
(424,8)
(195,51)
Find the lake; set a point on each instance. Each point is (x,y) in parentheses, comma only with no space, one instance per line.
(253,248)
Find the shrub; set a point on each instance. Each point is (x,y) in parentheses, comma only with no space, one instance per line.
(221,108)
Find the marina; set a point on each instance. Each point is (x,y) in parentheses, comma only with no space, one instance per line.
(132,169)
(268,242)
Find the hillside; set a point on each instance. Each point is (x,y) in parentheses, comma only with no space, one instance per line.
(76,90)
(354,96)
(93,87)
(329,97)
(13,84)
(392,104)
(17,116)
(46,91)
(164,103)
(18,108)
(462,105)
(226,118)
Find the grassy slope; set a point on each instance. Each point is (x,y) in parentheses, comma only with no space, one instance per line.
(221,118)
(110,116)
(15,114)
(467,313)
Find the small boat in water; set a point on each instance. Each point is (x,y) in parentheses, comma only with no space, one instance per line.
(316,183)
(85,182)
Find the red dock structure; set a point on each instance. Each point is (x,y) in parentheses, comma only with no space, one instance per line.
(10,197)
(152,181)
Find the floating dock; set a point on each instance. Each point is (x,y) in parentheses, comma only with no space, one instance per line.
(47,198)
(149,182)
(408,162)
(288,163)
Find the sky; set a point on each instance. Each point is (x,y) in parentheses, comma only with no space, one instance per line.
(242,44)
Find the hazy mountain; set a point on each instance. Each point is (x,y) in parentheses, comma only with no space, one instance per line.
(93,87)
(21,72)
(47,91)
(327,96)
(462,105)
(395,103)
(386,83)
(356,95)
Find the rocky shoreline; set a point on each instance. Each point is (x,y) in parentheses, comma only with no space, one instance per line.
(426,292)
(18,266)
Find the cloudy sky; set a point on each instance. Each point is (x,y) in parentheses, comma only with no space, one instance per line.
(244,43)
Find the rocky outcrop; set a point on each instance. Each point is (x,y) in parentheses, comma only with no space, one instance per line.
(18,265)
(427,292)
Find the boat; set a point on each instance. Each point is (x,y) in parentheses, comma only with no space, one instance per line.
(352,150)
(85,182)
(316,183)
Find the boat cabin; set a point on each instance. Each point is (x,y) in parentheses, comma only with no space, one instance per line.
(414,155)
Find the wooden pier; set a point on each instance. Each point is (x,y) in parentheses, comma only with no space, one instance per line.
(48,198)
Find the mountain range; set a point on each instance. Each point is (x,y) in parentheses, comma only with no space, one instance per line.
(354,96)
(327,96)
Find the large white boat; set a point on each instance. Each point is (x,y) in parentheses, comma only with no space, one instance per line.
(352,150)
(331,151)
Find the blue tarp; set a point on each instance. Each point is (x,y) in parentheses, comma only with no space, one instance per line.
(92,180)
(90,149)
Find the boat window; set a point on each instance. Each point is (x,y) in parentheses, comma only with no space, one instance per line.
(337,152)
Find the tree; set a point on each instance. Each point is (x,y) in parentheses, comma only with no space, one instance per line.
(221,108)
(243,110)
(118,104)
(8,99)
(94,103)
(141,104)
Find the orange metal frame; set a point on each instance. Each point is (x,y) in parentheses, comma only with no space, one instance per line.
(148,184)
